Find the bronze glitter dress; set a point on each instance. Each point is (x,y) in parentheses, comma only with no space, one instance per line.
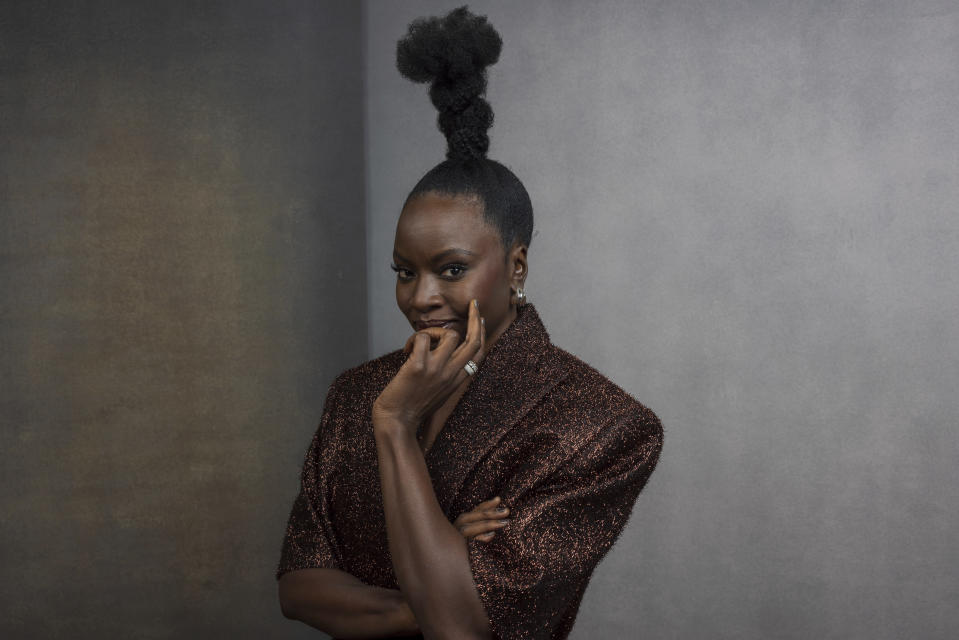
(566,449)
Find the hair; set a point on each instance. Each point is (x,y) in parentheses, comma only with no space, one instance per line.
(452,54)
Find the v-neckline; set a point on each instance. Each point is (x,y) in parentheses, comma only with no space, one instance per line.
(513,377)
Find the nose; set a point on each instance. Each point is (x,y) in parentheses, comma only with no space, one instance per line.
(426,294)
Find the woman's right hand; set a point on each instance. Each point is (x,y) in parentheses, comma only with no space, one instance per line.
(483,520)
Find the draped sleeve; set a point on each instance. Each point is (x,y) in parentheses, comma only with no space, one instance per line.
(309,539)
(532,574)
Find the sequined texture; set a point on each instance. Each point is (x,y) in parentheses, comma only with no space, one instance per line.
(566,449)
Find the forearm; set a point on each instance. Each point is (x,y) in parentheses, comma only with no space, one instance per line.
(430,557)
(344,606)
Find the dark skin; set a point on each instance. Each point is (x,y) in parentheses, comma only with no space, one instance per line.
(437,595)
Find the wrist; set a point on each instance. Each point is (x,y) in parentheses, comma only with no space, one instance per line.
(391,421)
(404,619)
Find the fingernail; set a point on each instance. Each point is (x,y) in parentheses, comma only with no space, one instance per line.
(475,303)
(504,521)
(501,509)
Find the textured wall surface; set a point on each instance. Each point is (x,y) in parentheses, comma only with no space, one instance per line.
(181,247)
(747,217)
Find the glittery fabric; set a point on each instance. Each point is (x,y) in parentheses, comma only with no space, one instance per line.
(566,449)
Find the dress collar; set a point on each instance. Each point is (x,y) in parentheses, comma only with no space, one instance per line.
(522,344)
(520,368)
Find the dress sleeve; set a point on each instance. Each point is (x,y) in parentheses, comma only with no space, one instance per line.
(308,543)
(536,568)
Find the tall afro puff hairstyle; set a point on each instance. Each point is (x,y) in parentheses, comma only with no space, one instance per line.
(452,54)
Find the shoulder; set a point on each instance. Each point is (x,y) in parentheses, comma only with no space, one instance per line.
(369,377)
(592,401)
(384,366)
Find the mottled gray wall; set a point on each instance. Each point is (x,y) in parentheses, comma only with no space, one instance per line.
(181,247)
(747,217)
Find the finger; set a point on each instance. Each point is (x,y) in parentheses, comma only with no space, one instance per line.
(482,353)
(481,527)
(474,516)
(472,324)
(486,510)
(481,522)
(409,344)
(470,348)
(490,525)
(492,502)
(421,345)
(442,341)
(434,333)
(480,338)
(449,339)
(486,537)
(496,512)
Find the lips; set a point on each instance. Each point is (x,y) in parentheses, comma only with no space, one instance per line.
(424,324)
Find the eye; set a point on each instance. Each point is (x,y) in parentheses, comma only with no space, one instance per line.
(401,273)
(456,269)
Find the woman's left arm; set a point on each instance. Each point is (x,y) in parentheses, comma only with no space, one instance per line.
(430,556)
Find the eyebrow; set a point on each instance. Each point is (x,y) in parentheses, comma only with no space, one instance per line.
(439,256)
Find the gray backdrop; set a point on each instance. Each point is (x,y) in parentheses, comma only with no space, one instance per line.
(746,216)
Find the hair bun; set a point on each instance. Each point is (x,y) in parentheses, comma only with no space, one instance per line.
(452,53)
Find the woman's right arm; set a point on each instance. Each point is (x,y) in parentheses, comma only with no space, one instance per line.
(344,606)
(325,597)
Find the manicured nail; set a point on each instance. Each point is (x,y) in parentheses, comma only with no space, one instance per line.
(504,521)
(475,303)
(502,509)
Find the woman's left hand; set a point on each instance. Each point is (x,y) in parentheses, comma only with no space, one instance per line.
(429,377)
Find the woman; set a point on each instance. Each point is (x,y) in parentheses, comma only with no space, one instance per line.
(395,531)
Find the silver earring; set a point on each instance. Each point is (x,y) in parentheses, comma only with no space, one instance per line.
(520,297)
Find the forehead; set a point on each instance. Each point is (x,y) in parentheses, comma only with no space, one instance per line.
(433,222)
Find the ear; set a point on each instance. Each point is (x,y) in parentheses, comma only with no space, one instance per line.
(517,265)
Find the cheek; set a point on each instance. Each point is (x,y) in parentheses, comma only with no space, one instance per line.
(403,293)
(491,292)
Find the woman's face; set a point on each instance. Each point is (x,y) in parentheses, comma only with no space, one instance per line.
(445,254)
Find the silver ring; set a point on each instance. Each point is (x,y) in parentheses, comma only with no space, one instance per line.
(471,367)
